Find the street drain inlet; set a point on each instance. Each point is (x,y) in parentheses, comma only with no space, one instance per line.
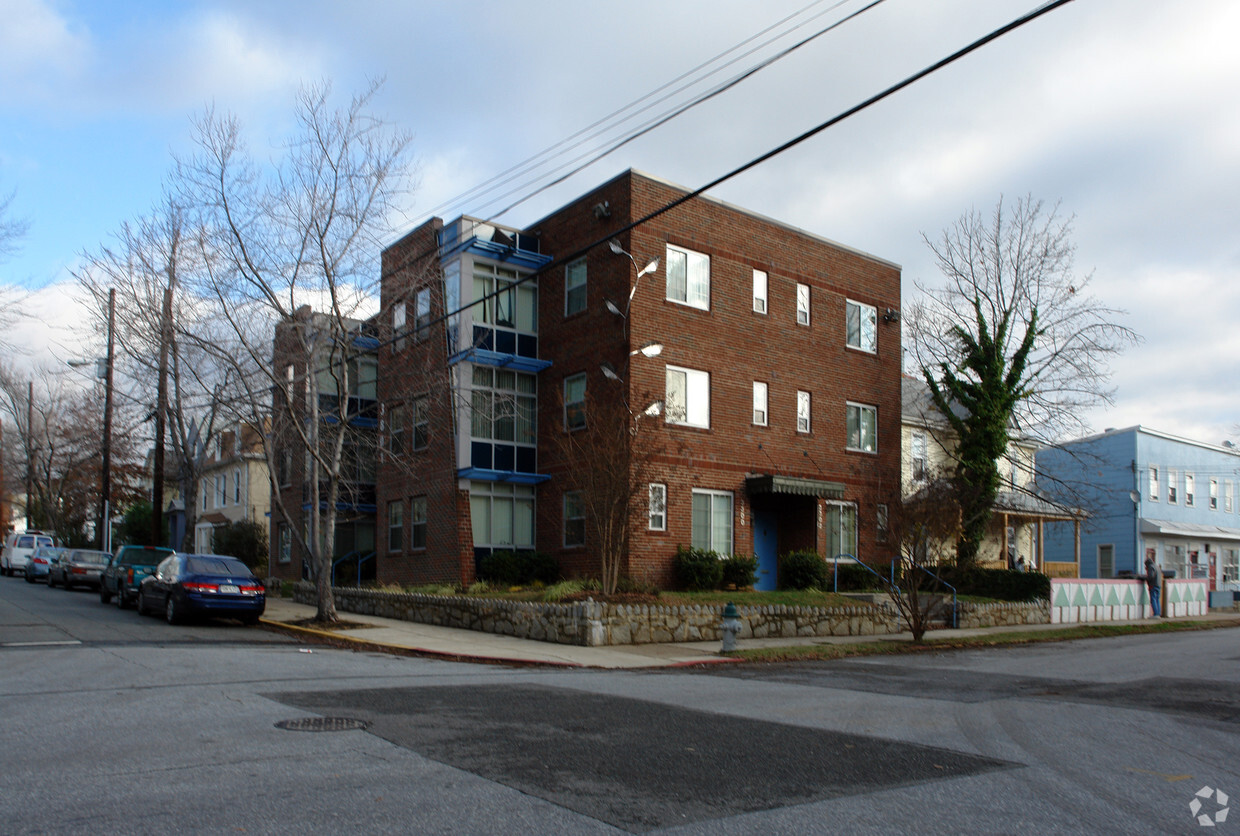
(324,724)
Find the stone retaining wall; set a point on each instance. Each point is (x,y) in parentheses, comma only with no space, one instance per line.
(1004,614)
(592,623)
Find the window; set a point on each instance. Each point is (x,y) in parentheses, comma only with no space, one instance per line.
(657,515)
(862,326)
(759,403)
(1153,484)
(396,526)
(919,457)
(712,521)
(284,467)
(575,402)
(502,514)
(841,529)
(236,487)
(513,306)
(802,412)
(1228,493)
(221,490)
(421,423)
(1213,494)
(1106,561)
(688,397)
(396,430)
(574,519)
(206,493)
(802,304)
(880,518)
(862,428)
(398,327)
(1173,486)
(417,523)
(575,287)
(688,277)
(1190,484)
(503,405)
(759,291)
(285,544)
(422,314)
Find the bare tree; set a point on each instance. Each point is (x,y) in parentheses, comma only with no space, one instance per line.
(282,240)
(1012,341)
(613,451)
(151,255)
(12,230)
(924,526)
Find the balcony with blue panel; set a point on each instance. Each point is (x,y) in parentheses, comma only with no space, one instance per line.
(510,246)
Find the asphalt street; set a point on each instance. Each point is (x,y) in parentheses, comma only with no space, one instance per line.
(138,727)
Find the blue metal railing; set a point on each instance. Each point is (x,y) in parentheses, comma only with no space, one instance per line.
(354,555)
(892,580)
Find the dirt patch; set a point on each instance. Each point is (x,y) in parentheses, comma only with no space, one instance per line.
(314,624)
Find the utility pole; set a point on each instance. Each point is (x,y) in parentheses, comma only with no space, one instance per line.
(29,450)
(161,409)
(105,500)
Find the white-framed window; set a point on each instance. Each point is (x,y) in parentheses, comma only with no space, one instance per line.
(575,401)
(1173,487)
(919,456)
(688,397)
(221,490)
(802,304)
(285,544)
(422,314)
(1190,488)
(574,519)
(396,526)
(399,315)
(396,429)
(503,406)
(759,403)
(290,373)
(657,514)
(206,493)
(840,525)
(759,291)
(802,412)
(1153,483)
(422,419)
(712,520)
(1106,560)
(862,427)
(1229,490)
(417,523)
(861,326)
(688,277)
(502,514)
(881,522)
(575,287)
(1213,494)
(236,487)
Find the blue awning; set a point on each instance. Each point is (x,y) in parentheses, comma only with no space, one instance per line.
(481,474)
(485,357)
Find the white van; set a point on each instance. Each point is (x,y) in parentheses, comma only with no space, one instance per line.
(18,547)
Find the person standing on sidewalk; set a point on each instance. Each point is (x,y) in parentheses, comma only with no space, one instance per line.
(1153,582)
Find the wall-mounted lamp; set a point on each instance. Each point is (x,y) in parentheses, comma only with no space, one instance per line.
(891,315)
(602,210)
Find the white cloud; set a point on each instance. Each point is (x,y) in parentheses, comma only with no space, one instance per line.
(39,51)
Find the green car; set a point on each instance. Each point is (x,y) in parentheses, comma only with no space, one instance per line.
(125,571)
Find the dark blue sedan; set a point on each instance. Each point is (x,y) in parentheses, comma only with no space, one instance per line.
(186,585)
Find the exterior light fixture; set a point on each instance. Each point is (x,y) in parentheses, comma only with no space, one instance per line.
(609,372)
(648,350)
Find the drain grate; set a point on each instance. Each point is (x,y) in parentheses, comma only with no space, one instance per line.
(325,724)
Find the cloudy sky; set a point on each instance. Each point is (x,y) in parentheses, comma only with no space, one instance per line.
(1124,111)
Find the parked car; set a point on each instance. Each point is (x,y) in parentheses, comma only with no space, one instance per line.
(124,573)
(41,561)
(18,547)
(77,567)
(186,585)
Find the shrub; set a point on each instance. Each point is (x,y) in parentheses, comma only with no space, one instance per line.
(508,568)
(853,578)
(803,570)
(1003,584)
(698,569)
(740,570)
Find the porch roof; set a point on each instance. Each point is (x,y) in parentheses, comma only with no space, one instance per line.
(1021,504)
(768,483)
(1186,529)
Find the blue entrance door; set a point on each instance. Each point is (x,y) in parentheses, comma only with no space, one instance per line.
(766,549)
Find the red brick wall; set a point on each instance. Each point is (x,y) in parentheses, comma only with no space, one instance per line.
(736,346)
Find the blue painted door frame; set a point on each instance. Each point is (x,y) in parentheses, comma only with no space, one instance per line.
(766,550)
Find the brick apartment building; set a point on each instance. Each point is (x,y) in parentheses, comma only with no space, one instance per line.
(779,381)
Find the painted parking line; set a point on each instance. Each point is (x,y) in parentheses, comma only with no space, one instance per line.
(38,644)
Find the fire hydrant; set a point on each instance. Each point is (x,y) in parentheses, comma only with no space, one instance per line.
(731,626)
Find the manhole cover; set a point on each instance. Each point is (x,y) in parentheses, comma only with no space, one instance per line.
(323,724)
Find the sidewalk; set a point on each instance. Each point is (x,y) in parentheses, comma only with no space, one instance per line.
(468,645)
